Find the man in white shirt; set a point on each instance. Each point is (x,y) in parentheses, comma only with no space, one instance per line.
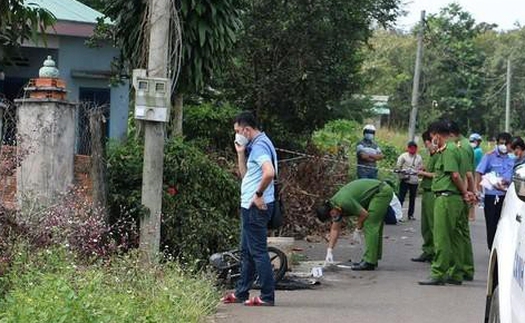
(410,162)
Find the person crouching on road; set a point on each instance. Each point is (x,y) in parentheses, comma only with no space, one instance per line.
(368,199)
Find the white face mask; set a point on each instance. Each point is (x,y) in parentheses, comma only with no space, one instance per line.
(241,140)
(502,149)
(369,136)
(473,144)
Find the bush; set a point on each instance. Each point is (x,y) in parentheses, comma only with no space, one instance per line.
(47,286)
(210,125)
(200,203)
(340,137)
(337,137)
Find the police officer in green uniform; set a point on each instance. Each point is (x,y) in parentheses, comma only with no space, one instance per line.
(450,193)
(427,203)
(466,169)
(368,199)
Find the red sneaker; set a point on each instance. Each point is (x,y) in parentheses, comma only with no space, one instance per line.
(230,298)
(257,301)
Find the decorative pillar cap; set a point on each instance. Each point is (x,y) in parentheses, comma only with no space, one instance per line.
(49,69)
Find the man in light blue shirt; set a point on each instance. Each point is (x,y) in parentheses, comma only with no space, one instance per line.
(257,161)
(499,162)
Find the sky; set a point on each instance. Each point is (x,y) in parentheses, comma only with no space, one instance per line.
(502,12)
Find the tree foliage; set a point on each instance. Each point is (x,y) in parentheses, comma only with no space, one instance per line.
(208,32)
(296,60)
(20,21)
(463,74)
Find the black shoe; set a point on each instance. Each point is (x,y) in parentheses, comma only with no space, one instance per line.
(411,218)
(431,282)
(451,281)
(363,266)
(422,258)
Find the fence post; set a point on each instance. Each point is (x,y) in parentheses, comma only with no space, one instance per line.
(97,123)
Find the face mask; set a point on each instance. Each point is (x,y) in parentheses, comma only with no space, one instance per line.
(512,156)
(502,149)
(473,145)
(241,140)
(369,136)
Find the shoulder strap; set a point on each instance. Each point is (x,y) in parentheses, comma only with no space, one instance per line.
(274,161)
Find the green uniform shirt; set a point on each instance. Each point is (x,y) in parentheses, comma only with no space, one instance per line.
(467,156)
(426,182)
(355,196)
(447,162)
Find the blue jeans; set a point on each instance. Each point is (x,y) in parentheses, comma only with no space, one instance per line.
(254,254)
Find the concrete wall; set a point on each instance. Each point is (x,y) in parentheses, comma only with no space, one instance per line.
(46,148)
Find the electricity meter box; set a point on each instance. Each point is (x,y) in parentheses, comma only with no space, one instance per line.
(152,97)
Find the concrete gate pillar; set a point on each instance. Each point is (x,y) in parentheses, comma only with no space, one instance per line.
(46,139)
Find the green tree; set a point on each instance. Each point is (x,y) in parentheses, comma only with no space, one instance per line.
(296,60)
(208,33)
(389,69)
(499,47)
(454,81)
(20,21)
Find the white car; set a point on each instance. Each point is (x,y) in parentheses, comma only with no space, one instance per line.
(505,283)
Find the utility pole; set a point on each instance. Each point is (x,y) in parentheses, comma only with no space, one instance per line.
(417,75)
(507,100)
(154,132)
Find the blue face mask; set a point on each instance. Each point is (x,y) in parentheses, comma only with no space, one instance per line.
(369,136)
(512,156)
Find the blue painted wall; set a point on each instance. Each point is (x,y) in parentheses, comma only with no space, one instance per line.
(73,54)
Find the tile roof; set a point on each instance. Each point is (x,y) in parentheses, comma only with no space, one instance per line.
(69,10)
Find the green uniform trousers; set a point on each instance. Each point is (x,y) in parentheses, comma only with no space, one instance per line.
(447,212)
(427,222)
(466,264)
(373,225)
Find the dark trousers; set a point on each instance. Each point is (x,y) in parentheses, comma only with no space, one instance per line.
(405,187)
(254,254)
(492,214)
(366,172)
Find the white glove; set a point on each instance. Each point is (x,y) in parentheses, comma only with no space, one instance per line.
(329,257)
(357,236)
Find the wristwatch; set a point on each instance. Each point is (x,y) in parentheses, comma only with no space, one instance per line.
(258,193)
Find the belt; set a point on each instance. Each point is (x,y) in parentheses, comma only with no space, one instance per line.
(445,193)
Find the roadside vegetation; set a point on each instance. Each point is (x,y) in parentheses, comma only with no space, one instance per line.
(307,69)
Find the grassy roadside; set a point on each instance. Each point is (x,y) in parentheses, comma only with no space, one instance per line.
(49,287)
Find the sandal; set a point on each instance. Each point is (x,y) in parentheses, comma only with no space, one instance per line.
(257,301)
(230,298)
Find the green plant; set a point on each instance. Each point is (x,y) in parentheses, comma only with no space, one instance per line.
(200,202)
(337,137)
(210,124)
(47,286)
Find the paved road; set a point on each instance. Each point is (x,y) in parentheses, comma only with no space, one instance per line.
(389,294)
